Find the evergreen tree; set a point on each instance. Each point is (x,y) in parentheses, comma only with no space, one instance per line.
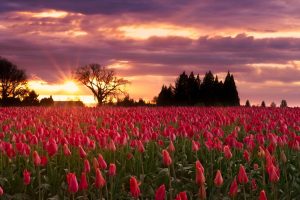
(193,89)
(207,88)
(273,105)
(263,104)
(283,104)
(248,103)
(181,90)
(166,96)
(217,91)
(230,93)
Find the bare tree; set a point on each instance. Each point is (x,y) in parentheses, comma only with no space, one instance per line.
(101,81)
(13,81)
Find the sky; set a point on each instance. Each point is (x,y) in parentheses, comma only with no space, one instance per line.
(150,42)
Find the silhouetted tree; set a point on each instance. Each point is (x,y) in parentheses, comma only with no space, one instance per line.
(47,101)
(31,99)
(207,89)
(283,104)
(273,105)
(166,96)
(230,93)
(101,81)
(141,102)
(263,104)
(127,102)
(193,87)
(190,91)
(13,82)
(248,103)
(181,90)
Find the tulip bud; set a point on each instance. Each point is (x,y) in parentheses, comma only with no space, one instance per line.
(101,161)
(218,179)
(72,182)
(112,169)
(227,152)
(171,147)
(99,181)
(36,159)
(87,167)
(242,176)
(26,177)
(134,187)
(262,195)
(66,150)
(1,191)
(167,160)
(160,193)
(83,182)
(82,153)
(233,188)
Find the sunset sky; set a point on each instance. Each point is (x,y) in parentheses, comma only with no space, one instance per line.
(149,42)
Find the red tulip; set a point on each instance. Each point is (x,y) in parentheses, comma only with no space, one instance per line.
(111,145)
(26,177)
(66,150)
(129,156)
(227,152)
(233,188)
(140,146)
(242,176)
(262,195)
(1,191)
(44,161)
(255,166)
(95,163)
(134,187)
(218,179)
(52,147)
(112,169)
(273,173)
(83,182)
(82,153)
(253,185)
(200,178)
(167,160)
(72,182)
(181,196)
(87,167)
(101,161)
(99,181)
(160,193)
(195,145)
(171,147)
(36,159)
(246,156)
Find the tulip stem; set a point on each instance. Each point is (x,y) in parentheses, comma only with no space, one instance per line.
(170,184)
(244,191)
(39,180)
(106,190)
(100,193)
(111,188)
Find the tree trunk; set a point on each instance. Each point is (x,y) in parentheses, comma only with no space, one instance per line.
(100,101)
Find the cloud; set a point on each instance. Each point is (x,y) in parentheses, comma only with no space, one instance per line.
(51,38)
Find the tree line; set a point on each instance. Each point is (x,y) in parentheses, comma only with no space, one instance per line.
(105,85)
(190,90)
(13,87)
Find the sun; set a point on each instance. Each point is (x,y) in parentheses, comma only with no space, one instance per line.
(70,86)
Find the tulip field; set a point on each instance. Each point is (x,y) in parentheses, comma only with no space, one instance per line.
(150,153)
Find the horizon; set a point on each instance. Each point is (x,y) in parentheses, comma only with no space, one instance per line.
(150,43)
